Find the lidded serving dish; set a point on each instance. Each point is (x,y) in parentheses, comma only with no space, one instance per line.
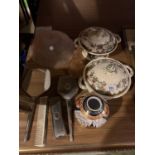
(107,77)
(97,41)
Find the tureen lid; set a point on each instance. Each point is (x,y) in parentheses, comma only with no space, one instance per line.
(98,40)
(107,77)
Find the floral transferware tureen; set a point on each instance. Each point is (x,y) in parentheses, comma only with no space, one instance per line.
(97,41)
(107,77)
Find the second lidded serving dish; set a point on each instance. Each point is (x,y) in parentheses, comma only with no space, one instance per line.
(97,41)
(107,77)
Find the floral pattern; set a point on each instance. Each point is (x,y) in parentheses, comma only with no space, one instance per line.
(107,76)
(97,40)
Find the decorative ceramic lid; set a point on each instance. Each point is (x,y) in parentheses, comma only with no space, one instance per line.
(92,106)
(98,40)
(107,77)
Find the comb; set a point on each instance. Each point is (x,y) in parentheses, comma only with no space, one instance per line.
(42,121)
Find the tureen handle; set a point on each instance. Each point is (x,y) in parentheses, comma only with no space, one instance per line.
(81,85)
(131,73)
(118,38)
(84,52)
(76,42)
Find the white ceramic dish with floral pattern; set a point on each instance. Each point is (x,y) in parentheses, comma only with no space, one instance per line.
(97,41)
(107,77)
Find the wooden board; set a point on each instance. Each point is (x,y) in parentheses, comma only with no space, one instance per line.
(118,132)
